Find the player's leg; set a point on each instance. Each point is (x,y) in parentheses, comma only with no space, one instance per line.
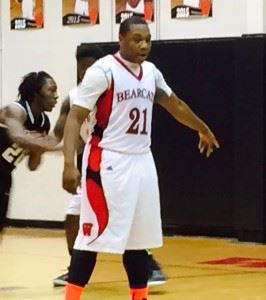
(4,198)
(71,231)
(136,264)
(146,231)
(5,186)
(81,267)
(72,219)
(156,275)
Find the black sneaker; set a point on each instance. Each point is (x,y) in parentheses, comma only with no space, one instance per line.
(61,280)
(157,277)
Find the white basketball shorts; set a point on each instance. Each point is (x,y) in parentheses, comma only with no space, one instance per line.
(74,203)
(120,207)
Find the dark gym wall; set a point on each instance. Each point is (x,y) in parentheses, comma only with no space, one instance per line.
(196,192)
(223,82)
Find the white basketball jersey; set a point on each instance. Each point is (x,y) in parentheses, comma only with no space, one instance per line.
(87,126)
(138,9)
(27,7)
(123,102)
(82,7)
(193,3)
(125,110)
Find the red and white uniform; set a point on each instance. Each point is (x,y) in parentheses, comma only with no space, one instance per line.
(120,207)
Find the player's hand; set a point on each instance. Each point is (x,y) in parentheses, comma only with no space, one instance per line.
(207,142)
(41,142)
(34,134)
(71,179)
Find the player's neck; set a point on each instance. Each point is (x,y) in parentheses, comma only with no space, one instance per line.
(134,67)
(36,109)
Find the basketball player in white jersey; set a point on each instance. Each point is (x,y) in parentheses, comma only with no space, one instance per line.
(82,7)
(141,8)
(27,8)
(86,55)
(193,3)
(136,6)
(203,5)
(120,210)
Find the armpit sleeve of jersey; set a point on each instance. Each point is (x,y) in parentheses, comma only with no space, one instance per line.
(161,83)
(93,85)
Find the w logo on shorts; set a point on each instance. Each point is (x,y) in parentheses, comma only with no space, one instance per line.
(87,228)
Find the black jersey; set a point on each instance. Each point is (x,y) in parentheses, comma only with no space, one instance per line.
(10,153)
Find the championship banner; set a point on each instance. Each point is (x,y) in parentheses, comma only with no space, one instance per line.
(183,9)
(76,12)
(128,8)
(26,14)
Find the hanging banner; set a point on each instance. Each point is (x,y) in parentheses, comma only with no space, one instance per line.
(128,8)
(26,14)
(77,12)
(183,9)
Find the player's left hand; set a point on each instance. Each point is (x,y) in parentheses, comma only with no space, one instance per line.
(207,142)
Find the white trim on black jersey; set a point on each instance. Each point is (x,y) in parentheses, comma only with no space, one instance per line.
(31,114)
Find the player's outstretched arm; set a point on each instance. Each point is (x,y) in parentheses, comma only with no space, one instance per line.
(14,118)
(183,114)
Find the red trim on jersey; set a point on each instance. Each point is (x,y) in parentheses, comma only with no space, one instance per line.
(104,107)
(127,68)
(98,203)
(95,193)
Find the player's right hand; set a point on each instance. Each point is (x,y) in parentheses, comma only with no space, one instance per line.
(71,179)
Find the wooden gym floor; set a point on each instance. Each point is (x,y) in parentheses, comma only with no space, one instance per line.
(197,269)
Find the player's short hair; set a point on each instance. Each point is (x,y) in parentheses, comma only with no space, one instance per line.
(134,20)
(86,50)
(31,84)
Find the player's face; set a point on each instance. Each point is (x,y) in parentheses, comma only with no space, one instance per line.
(135,45)
(83,64)
(47,96)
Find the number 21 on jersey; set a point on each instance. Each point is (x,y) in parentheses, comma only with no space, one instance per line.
(137,118)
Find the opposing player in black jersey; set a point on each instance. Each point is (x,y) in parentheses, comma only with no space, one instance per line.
(23,130)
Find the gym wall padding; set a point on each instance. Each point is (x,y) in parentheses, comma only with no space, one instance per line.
(223,81)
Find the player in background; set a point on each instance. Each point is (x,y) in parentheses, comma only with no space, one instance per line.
(24,126)
(120,210)
(129,8)
(86,55)
(85,8)
(27,9)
